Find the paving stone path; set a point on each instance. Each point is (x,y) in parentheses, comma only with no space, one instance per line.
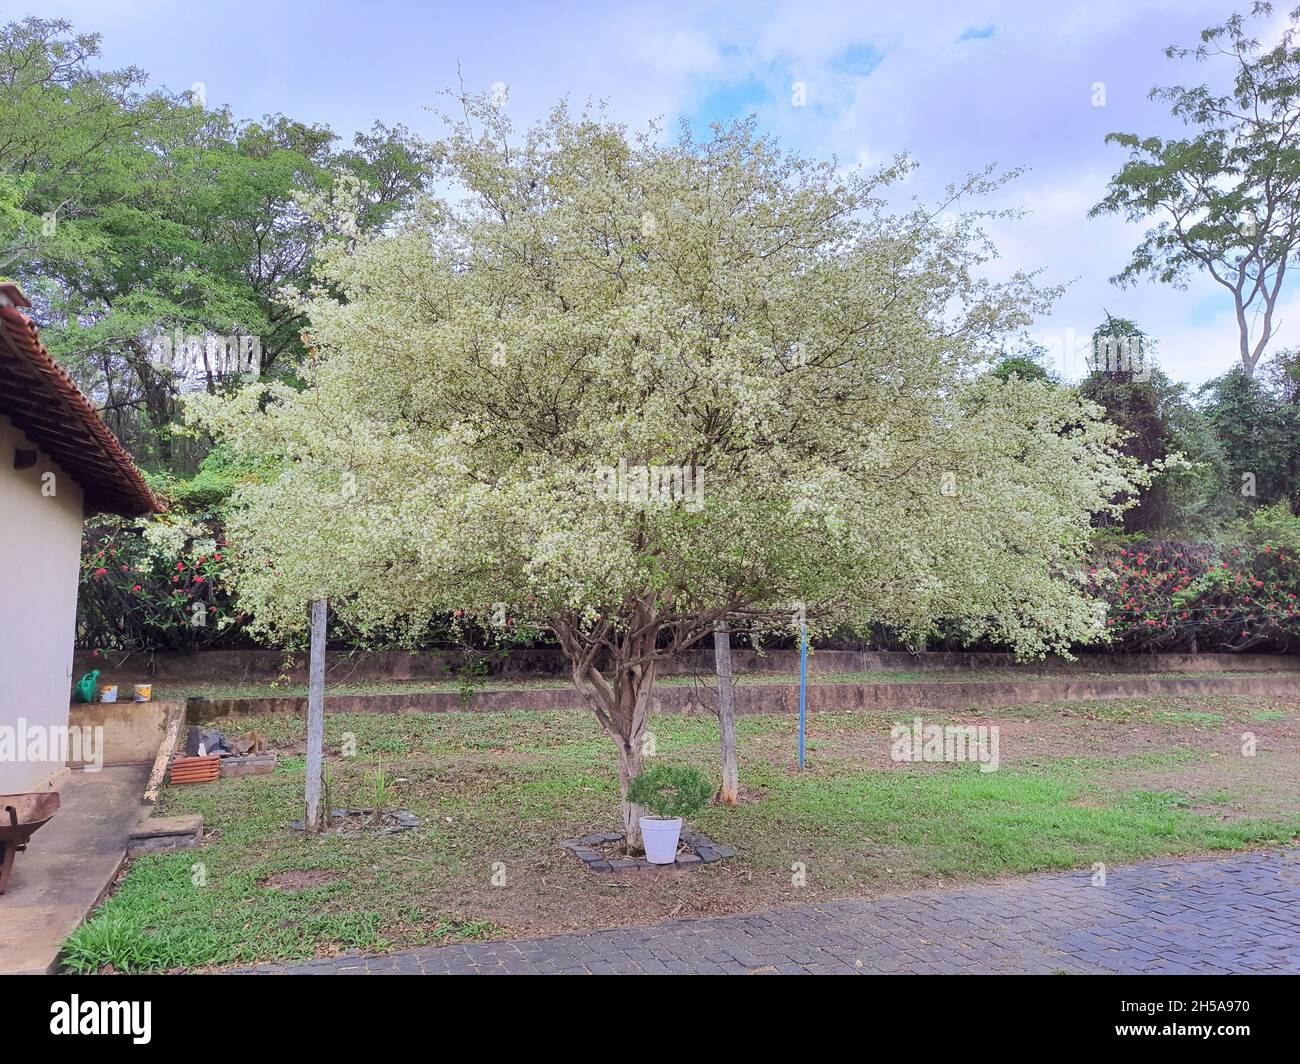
(1224,914)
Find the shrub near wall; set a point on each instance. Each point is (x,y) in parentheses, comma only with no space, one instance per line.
(155,585)
(1200,597)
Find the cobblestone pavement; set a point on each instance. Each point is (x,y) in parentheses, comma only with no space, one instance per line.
(1224,914)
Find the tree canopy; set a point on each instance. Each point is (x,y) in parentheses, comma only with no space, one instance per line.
(625,389)
(1225,198)
(130,214)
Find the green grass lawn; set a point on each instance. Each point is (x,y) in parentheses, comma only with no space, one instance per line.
(1079,783)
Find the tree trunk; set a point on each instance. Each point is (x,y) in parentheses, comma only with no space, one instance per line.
(631,763)
(622,705)
(316,716)
(159,399)
(729,794)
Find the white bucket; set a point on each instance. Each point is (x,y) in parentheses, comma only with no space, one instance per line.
(660,837)
(108,692)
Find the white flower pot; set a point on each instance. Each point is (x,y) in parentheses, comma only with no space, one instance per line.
(660,837)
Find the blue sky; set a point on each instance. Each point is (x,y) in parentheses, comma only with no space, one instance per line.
(957,84)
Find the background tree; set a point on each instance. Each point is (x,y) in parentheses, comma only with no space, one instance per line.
(498,375)
(1162,427)
(1281,376)
(130,214)
(1260,436)
(1025,361)
(1226,197)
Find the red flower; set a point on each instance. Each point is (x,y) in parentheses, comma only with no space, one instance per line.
(216,557)
(180,567)
(100,572)
(136,588)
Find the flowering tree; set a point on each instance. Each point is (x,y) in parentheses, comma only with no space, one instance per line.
(623,391)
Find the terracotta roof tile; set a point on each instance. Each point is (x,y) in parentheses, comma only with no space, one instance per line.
(39,397)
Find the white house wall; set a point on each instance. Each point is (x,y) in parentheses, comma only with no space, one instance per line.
(40,551)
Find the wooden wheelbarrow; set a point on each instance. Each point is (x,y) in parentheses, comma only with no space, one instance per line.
(20,816)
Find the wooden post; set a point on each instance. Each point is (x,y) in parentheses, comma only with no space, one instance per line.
(730,792)
(316,716)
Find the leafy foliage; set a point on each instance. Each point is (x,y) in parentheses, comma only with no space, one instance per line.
(130,214)
(548,330)
(1163,429)
(1167,596)
(671,790)
(1257,422)
(1226,198)
(159,586)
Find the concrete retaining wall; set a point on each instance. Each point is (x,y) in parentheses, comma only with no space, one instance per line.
(778,698)
(234,667)
(133,731)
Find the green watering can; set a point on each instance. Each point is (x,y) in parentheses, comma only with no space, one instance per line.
(85,689)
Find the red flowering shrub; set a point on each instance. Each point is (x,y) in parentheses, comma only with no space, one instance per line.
(165,593)
(1197,597)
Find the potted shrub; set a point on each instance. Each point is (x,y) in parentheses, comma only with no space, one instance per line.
(670,792)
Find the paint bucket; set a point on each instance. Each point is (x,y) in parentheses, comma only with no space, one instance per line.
(143,692)
(108,692)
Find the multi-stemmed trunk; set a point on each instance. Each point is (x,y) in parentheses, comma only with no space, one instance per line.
(628,715)
(623,705)
(622,701)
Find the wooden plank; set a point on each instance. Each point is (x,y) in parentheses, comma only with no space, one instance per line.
(171,733)
(729,794)
(316,714)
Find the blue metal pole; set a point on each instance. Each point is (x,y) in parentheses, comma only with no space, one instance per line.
(803,685)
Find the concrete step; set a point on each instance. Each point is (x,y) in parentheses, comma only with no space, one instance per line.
(162,834)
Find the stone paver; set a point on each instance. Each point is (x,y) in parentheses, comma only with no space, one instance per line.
(1239,913)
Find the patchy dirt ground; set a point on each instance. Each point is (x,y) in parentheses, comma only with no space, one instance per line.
(498,793)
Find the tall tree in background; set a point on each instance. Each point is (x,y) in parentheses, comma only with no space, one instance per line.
(131,215)
(1160,422)
(1281,375)
(1226,198)
(1256,421)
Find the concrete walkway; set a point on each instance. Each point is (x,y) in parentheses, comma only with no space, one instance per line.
(1239,913)
(67,865)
